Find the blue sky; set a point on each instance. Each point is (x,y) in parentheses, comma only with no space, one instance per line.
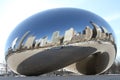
(12,12)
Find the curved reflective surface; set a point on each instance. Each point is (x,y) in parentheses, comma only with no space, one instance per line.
(69,38)
(46,22)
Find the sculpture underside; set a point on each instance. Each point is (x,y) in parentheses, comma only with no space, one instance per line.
(91,57)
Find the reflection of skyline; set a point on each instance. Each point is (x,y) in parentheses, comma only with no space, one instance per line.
(28,41)
(39,23)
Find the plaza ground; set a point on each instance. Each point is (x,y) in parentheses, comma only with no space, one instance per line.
(73,77)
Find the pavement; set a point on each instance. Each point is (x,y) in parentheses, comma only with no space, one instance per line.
(73,77)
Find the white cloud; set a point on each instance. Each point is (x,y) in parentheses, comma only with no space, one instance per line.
(113,17)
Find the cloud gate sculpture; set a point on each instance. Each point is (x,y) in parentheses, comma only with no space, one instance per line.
(74,39)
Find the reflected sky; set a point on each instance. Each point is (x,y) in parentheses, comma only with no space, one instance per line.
(61,19)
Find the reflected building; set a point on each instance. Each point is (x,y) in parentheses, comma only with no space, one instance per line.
(22,39)
(111,38)
(56,37)
(87,48)
(104,30)
(96,31)
(14,43)
(104,33)
(88,33)
(30,42)
(43,41)
(77,38)
(69,34)
(37,43)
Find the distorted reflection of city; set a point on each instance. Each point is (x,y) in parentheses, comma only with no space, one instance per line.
(28,41)
(73,39)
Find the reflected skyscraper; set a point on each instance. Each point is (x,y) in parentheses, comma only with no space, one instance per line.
(55,37)
(22,39)
(30,41)
(69,34)
(88,33)
(104,29)
(37,43)
(14,43)
(96,31)
(43,41)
